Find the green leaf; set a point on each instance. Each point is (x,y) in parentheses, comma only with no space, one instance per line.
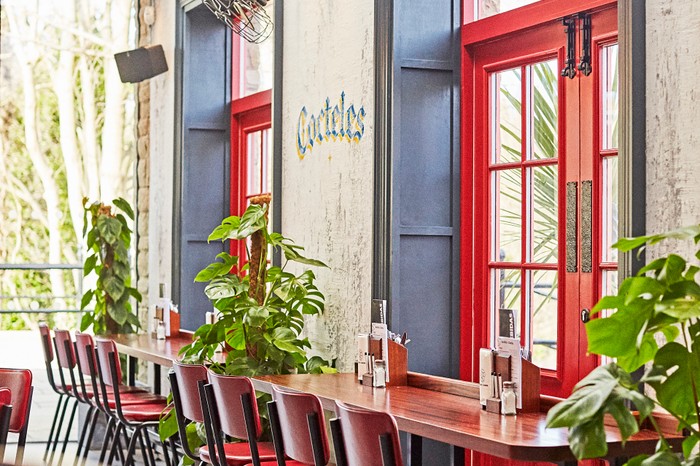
(625,420)
(587,440)
(114,286)
(283,334)
(87,298)
(167,425)
(616,335)
(224,287)
(689,445)
(110,228)
(89,264)
(256,316)
(86,321)
(226,230)
(118,313)
(253,219)
(289,347)
(586,401)
(124,206)
(662,458)
(675,393)
(217,269)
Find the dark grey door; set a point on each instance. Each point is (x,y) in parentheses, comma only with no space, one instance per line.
(204,177)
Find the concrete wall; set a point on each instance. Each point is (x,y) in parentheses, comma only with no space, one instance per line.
(162,138)
(673,113)
(327,179)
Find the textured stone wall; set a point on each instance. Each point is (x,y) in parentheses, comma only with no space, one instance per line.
(143,167)
(673,113)
(327,184)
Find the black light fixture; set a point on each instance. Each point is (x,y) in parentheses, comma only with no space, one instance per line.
(142,63)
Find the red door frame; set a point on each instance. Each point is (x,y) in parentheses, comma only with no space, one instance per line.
(473,330)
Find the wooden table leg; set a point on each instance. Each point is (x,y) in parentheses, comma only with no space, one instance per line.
(415,450)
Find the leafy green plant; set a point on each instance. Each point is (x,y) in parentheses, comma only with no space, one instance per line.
(108,239)
(660,303)
(261,308)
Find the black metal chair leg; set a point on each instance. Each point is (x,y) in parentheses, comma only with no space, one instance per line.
(69,427)
(53,425)
(129,460)
(149,447)
(60,425)
(91,433)
(83,432)
(105,441)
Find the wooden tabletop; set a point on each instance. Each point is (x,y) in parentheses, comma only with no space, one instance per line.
(452,419)
(146,348)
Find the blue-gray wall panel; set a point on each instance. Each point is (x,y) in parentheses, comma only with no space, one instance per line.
(424,30)
(206,68)
(425,168)
(193,302)
(425,299)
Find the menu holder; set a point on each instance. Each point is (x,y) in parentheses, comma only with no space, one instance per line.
(174,323)
(530,380)
(397,361)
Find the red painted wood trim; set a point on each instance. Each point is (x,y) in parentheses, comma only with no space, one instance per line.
(526,17)
(251,102)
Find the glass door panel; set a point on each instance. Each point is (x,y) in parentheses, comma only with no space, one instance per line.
(486,8)
(524,141)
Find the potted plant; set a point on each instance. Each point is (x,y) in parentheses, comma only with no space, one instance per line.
(261,306)
(108,239)
(655,328)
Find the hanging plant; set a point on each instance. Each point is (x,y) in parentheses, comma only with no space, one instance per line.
(108,238)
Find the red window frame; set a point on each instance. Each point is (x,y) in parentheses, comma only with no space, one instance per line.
(473,330)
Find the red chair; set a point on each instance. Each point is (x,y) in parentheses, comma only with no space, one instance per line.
(230,402)
(186,385)
(88,376)
(19,383)
(5,413)
(367,437)
(59,388)
(137,416)
(298,429)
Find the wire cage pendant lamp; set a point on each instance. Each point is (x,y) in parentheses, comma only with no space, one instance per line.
(247,18)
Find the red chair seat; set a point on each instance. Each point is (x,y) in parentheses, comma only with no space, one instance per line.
(137,398)
(143,412)
(287,462)
(238,454)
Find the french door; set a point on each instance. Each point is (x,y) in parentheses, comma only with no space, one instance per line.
(544,192)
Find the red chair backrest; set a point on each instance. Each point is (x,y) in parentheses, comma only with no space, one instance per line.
(85,343)
(361,430)
(5,396)
(104,347)
(227,391)
(66,358)
(19,382)
(46,341)
(188,375)
(293,408)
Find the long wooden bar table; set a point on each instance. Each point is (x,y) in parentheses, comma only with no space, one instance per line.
(455,419)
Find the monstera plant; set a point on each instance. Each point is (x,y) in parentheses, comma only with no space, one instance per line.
(652,326)
(108,238)
(261,307)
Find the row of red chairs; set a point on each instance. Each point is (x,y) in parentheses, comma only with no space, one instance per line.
(16,392)
(129,411)
(227,408)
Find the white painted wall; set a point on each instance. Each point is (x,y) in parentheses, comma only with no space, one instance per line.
(673,117)
(162,112)
(327,191)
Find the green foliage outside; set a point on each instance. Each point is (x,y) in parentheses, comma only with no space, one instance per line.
(262,309)
(108,239)
(660,304)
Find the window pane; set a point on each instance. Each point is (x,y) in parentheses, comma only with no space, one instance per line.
(253,144)
(266,158)
(507,185)
(486,8)
(609,95)
(506,122)
(543,110)
(542,304)
(505,294)
(610,208)
(257,62)
(543,206)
